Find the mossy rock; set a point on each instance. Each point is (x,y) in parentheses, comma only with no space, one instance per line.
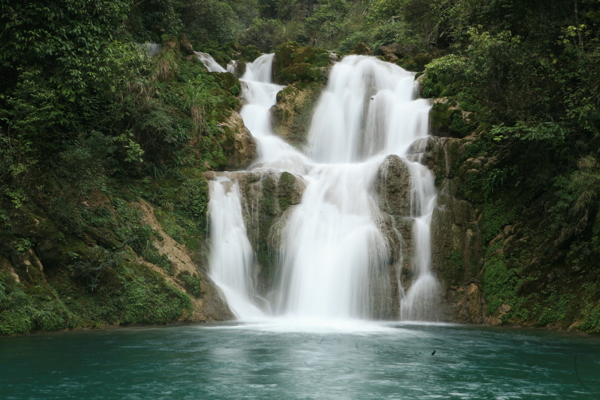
(294,63)
(292,115)
(361,49)
(228,82)
(300,72)
(415,63)
(449,120)
(249,53)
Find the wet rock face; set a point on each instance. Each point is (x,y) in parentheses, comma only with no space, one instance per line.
(457,243)
(393,186)
(393,190)
(268,199)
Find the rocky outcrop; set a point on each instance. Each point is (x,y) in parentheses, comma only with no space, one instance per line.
(361,49)
(457,253)
(237,143)
(447,119)
(294,63)
(393,191)
(185,274)
(292,115)
(268,198)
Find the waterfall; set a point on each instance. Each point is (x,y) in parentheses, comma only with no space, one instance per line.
(334,259)
(232,257)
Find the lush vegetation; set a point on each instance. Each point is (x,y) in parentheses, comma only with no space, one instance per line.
(90,125)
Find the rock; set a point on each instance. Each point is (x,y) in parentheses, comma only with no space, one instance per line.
(238,144)
(268,199)
(361,49)
(456,236)
(228,81)
(209,305)
(496,318)
(292,115)
(334,57)
(294,63)
(393,186)
(186,46)
(393,191)
(388,53)
(6,265)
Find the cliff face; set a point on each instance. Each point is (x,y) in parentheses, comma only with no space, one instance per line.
(496,247)
(55,281)
(109,223)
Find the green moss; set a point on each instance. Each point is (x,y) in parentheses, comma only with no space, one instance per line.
(294,63)
(169,224)
(249,53)
(361,49)
(448,120)
(147,298)
(300,72)
(499,281)
(227,81)
(415,63)
(293,114)
(285,190)
(454,268)
(191,283)
(496,215)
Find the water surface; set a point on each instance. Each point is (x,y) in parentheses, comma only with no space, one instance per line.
(306,360)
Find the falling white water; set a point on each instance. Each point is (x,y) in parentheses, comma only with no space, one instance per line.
(232,259)
(330,245)
(260,94)
(333,256)
(213,66)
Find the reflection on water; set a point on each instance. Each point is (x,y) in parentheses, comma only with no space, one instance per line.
(272,360)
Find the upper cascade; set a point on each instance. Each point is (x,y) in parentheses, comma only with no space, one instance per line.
(334,260)
(369,107)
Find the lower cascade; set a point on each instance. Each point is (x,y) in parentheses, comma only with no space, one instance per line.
(349,216)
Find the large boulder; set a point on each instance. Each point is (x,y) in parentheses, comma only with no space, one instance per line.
(393,191)
(294,63)
(237,142)
(292,115)
(361,49)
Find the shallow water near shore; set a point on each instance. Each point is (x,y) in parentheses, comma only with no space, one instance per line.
(279,359)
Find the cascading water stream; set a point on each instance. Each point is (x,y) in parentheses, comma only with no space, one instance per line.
(334,258)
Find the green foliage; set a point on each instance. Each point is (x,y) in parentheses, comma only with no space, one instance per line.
(578,195)
(209,19)
(495,217)
(328,21)
(265,34)
(350,42)
(23,310)
(445,76)
(499,281)
(592,322)
(556,311)
(192,283)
